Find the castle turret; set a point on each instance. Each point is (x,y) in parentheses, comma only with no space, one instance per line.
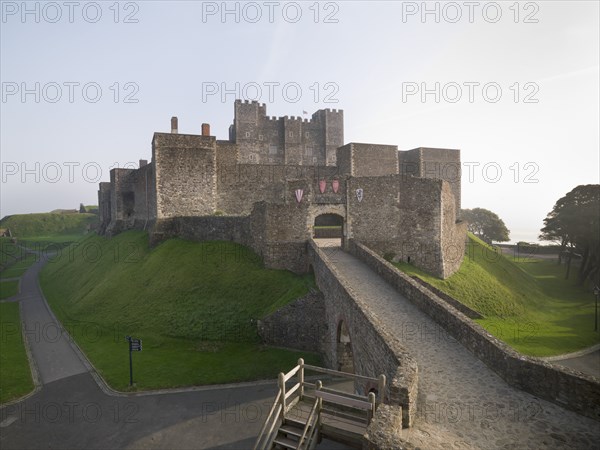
(331,122)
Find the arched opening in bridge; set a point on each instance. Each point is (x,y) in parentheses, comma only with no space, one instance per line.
(329,227)
(345,358)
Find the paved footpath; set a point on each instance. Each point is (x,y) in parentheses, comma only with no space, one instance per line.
(50,348)
(71,411)
(460,400)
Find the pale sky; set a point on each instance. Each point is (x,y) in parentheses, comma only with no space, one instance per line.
(513,86)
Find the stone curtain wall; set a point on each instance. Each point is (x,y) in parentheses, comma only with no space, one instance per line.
(375,350)
(407,217)
(374,160)
(567,388)
(185,175)
(104,206)
(443,164)
(376,217)
(436,163)
(300,325)
(144,190)
(239,186)
(121,199)
(207,228)
(453,238)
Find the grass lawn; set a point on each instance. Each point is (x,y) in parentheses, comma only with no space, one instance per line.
(194,305)
(8,289)
(18,268)
(15,375)
(50,243)
(525,302)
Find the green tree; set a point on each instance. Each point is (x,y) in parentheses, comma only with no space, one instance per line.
(575,223)
(486,225)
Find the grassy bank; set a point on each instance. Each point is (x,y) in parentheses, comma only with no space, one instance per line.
(15,375)
(525,302)
(8,288)
(48,225)
(194,305)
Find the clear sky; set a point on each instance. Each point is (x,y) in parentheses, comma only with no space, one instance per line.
(514,86)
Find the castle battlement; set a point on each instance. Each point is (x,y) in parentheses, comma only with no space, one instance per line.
(263,139)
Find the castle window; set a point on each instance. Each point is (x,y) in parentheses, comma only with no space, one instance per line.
(307,134)
(308,151)
(291,134)
(260,137)
(273,150)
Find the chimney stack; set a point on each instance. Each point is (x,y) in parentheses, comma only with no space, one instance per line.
(174,127)
(205,129)
(143,162)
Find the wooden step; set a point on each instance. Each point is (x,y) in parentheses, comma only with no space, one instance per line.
(352,426)
(356,416)
(295,422)
(343,430)
(290,429)
(285,442)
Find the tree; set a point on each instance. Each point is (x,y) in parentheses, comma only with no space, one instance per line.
(486,225)
(81,208)
(575,222)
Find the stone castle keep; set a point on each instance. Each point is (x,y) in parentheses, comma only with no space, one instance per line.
(266,185)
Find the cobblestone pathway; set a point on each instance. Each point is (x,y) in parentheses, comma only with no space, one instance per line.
(462,403)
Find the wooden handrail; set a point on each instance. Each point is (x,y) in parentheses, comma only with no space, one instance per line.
(282,390)
(371,412)
(314,413)
(345,394)
(381,385)
(311,418)
(338,373)
(291,373)
(346,401)
(294,388)
(264,427)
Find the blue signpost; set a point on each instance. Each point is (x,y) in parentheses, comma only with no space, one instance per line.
(135,345)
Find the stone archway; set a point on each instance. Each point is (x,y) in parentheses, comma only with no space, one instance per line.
(327,224)
(345,356)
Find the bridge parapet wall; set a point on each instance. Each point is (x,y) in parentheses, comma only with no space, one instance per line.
(565,387)
(375,350)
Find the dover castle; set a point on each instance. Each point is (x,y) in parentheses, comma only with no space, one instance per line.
(276,177)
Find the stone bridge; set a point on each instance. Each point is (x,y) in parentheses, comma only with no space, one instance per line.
(460,388)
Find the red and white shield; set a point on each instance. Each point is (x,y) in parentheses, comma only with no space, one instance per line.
(322,186)
(299,193)
(335,184)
